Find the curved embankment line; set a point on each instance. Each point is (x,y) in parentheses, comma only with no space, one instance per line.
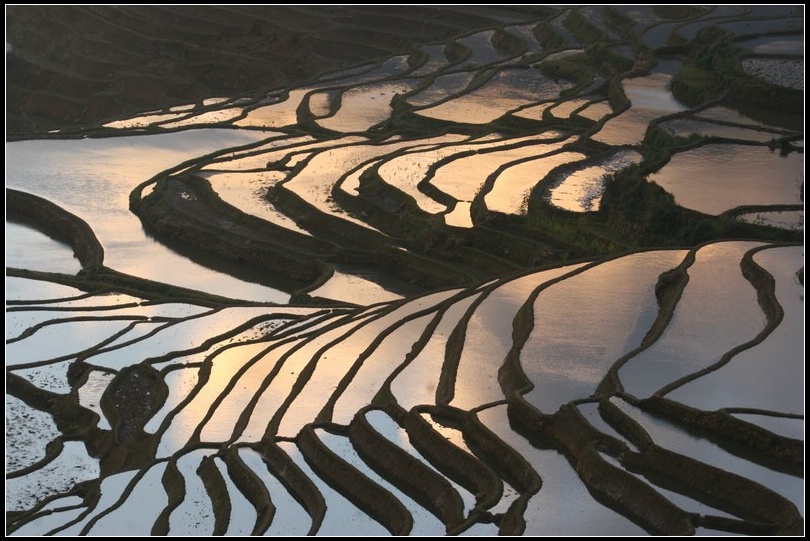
(277,235)
(509,464)
(204,374)
(613,487)
(523,324)
(470,254)
(325,415)
(362,245)
(624,424)
(465,469)
(247,411)
(470,470)
(241,423)
(489,251)
(721,489)
(373,499)
(669,289)
(668,292)
(299,485)
(763,511)
(769,446)
(217,491)
(78,355)
(427,187)
(52,451)
(106,280)
(94,276)
(568,431)
(311,366)
(478,207)
(65,279)
(260,246)
(760,445)
(37,326)
(122,499)
(498,457)
(496,453)
(409,474)
(175,487)
(252,487)
(445,388)
(384,398)
(765,413)
(57,223)
(541,191)
(765,285)
(511,377)
(746,209)
(40,302)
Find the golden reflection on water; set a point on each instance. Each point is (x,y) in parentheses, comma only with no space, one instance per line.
(506,91)
(535,112)
(417,383)
(220,427)
(275,115)
(406,171)
(460,216)
(225,363)
(142,121)
(334,364)
(211,117)
(354,289)
(717,311)
(610,306)
(452,435)
(488,339)
(566,108)
(365,106)
(329,367)
(314,182)
(351,184)
(508,195)
(581,191)
(320,103)
(268,401)
(385,359)
(443,86)
(596,111)
(716,178)
(764,376)
(247,191)
(650,98)
(463,178)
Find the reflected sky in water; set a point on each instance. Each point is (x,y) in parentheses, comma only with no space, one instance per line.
(716,178)
(72,174)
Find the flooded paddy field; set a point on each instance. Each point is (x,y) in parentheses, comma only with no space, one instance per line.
(414,271)
(744,176)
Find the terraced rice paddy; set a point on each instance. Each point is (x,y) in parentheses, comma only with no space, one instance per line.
(744,176)
(650,98)
(581,191)
(467,271)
